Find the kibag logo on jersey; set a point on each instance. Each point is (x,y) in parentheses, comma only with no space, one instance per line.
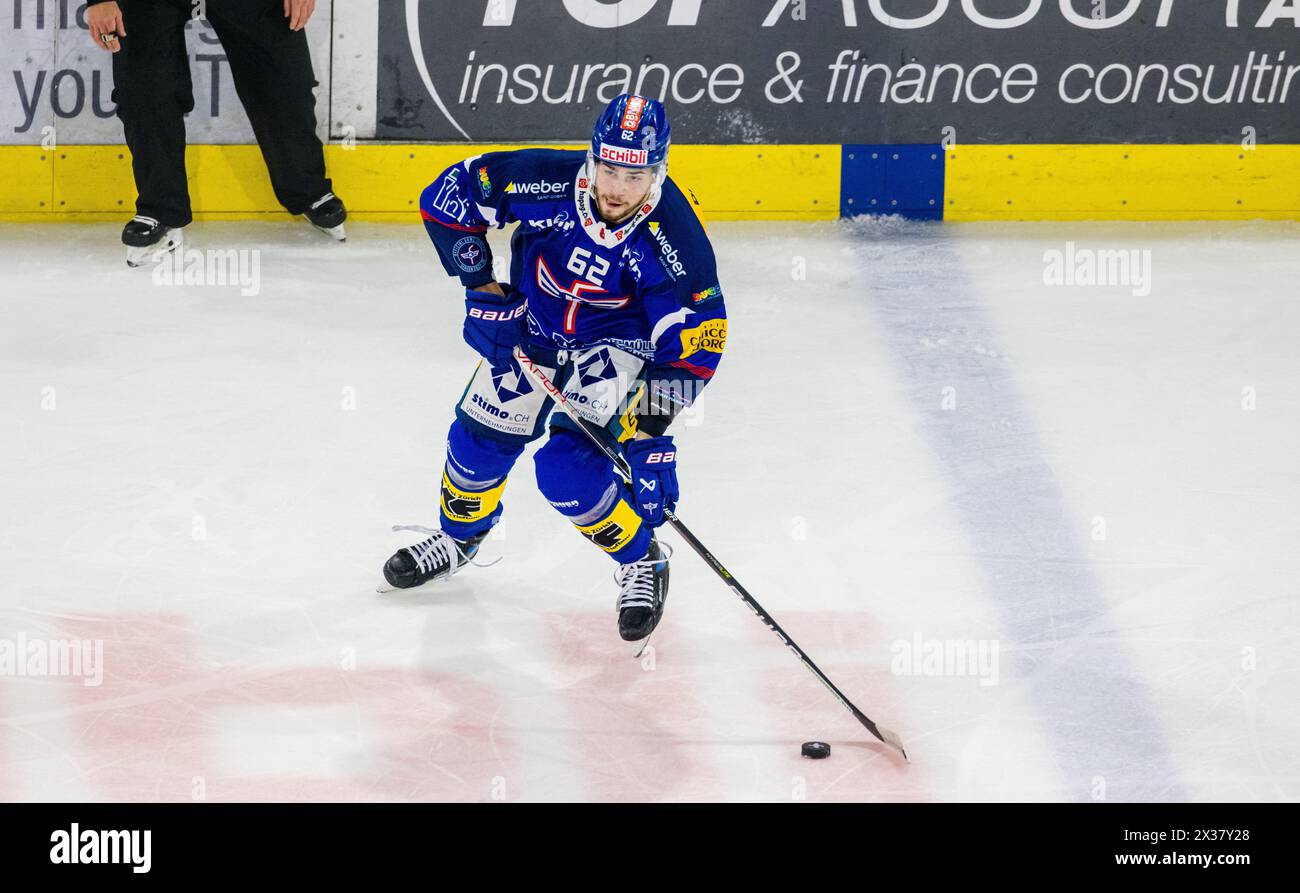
(560,221)
(634,258)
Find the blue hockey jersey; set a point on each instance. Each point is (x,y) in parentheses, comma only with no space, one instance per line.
(648,286)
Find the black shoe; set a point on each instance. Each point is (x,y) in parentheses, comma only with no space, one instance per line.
(643,589)
(327,215)
(437,557)
(147,239)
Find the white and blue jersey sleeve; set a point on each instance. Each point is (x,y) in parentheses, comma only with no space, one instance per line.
(489,190)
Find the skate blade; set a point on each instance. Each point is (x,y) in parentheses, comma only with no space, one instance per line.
(385,587)
(427,584)
(337,233)
(151,254)
(639,648)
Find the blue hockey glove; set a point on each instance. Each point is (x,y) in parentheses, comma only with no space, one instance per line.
(495,325)
(654,477)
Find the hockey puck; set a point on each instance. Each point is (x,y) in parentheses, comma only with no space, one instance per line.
(815,750)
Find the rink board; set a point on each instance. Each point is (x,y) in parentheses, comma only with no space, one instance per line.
(1122,182)
(384,181)
(732,182)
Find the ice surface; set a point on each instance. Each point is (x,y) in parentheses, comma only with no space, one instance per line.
(912,440)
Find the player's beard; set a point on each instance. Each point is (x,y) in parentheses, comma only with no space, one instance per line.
(624,213)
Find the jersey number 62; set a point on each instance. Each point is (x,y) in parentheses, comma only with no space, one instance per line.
(591,267)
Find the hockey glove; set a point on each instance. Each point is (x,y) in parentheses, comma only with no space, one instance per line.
(654,477)
(494,324)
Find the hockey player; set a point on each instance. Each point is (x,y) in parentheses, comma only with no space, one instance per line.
(614,293)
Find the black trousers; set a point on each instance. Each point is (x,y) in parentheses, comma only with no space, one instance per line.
(271,67)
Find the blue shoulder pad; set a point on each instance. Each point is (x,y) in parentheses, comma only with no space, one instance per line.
(683,249)
(501,178)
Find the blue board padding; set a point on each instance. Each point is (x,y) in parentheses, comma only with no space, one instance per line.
(882,179)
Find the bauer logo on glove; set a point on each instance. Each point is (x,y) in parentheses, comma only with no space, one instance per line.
(488,315)
(653,461)
(494,324)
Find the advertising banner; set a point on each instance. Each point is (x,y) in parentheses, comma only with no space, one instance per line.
(846,71)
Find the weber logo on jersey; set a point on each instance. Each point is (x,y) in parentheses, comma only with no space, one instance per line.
(540,188)
(672,261)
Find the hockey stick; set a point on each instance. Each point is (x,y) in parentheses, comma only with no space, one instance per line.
(884,735)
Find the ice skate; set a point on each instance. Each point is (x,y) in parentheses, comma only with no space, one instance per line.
(643,589)
(147,240)
(435,558)
(327,215)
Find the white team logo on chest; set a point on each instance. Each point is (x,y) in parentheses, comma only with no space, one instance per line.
(586,287)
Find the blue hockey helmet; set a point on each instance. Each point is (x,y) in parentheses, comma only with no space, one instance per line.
(633,131)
